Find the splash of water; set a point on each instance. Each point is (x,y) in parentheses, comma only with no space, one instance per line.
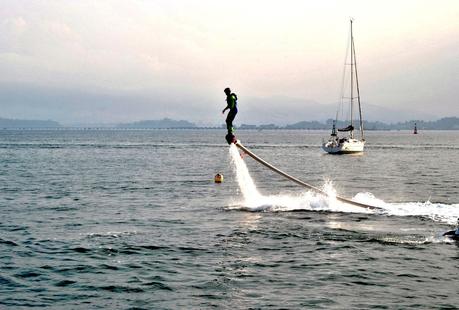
(255,201)
(308,200)
(246,184)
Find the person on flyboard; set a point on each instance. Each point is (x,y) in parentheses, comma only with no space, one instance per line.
(231,100)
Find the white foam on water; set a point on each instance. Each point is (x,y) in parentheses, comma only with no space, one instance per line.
(255,201)
(247,186)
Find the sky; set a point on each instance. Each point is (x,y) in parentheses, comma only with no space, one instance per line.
(121,61)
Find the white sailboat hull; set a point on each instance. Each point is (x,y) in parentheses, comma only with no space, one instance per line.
(343,146)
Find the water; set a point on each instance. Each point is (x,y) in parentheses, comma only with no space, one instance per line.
(133,220)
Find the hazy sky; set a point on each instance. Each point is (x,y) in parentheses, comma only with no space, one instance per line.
(111,61)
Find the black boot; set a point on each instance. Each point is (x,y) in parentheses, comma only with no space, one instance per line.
(230,138)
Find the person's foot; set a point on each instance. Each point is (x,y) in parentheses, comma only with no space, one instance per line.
(230,138)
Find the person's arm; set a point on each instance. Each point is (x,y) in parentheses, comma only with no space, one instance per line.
(227,107)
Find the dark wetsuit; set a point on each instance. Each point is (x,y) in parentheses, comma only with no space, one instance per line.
(232,105)
(453,234)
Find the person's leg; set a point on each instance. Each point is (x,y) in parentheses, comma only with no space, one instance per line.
(228,124)
(229,120)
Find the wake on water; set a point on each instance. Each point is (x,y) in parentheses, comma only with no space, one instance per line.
(311,201)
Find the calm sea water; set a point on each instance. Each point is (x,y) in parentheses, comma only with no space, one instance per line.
(132,220)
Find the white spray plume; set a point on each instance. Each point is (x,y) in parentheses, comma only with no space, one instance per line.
(255,201)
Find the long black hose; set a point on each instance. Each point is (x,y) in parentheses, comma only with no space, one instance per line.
(297,181)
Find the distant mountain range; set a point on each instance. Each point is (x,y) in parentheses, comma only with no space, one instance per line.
(164,123)
(446,123)
(19,123)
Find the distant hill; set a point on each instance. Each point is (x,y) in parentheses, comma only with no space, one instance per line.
(308,125)
(20,123)
(164,123)
(446,123)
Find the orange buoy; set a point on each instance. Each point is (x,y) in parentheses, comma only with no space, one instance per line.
(218,178)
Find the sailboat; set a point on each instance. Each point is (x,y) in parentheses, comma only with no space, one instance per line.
(350,143)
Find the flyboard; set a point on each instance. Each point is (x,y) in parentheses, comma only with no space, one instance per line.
(230,138)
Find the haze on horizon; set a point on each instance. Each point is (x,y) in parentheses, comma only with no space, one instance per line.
(121,61)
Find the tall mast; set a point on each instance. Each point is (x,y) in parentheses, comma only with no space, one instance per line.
(362,137)
(352,81)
